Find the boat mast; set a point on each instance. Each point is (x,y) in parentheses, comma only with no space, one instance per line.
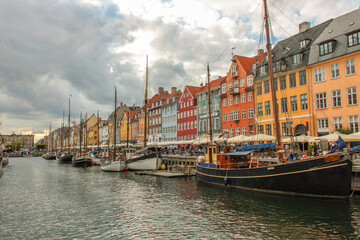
(62,145)
(127,130)
(69,129)
(51,142)
(80,130)
(209,103)
(85,141)
(98,132)
(115,126)
(271,77)
(146,99)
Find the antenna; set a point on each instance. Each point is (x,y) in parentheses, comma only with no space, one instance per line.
(232,52)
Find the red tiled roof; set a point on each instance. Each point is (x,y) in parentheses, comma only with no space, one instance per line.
(132,113)
(213,84)
(245,62)
(193,90)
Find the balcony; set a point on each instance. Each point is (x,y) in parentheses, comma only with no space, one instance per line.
(222,95)
(235,91)
(249,89)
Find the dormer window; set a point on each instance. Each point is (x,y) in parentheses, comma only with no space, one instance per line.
(304,43)
(297,58)
(262,70)
(234,70)
(353,39)
(286,49)
(326,48)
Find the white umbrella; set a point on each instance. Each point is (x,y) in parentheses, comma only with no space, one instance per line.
(301,139)
(260,138)
(355,137)
(335,136)
(238,139)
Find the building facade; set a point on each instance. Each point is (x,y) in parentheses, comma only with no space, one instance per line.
(169,111)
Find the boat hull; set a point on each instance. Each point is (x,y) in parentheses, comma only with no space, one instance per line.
(50,157)
(147,163)
(315,177)
(65,159)
(116,166)
(82,162)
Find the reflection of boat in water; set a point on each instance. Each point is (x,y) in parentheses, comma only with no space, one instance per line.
(322,176)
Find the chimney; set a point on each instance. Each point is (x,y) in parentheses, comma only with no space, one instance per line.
(173,89)
(260,52)
(121,104)
(304,26)
(161,89)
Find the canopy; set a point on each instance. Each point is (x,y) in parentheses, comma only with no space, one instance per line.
(238,139)
(260,138)
(237,153)
(355,136)
(258,147)
(301,139)
(334,137)
(205,139)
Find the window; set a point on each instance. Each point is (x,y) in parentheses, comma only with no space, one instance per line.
(236,83)
(223,88)
(338,123)
(284,107)
(224,102)
(242,82)
(352,96)
(268,129)
(260,109)
(303,101)
(282,82)
(205,125)
(244,131)
(231,132)
(321,100)
(231,117)
(286,128)
(225,117)
(243,114)
(293,103)
(262,70)
(237,99)
(303,43)
(234,70)
(217,123)
(323,125)
(292,80)
(297,58)
(230,86)
(251,113)
(230,101)
(243,98)
(319,74)
(237,131)
(261,129)
(259,88)
(350,67)
(354,123)
(335,71)
(336,97)
(250,96)
(266,86)
(236,115)
(353,39)
(326,48)
(276,84)
(267,108)
(250,80)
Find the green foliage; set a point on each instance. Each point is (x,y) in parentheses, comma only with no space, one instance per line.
(344,130)
(40,146)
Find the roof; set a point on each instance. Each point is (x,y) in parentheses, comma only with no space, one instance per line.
(337,30)
(213,84)
(245,62)
(132,113)
(193,90)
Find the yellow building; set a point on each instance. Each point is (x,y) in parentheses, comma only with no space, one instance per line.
(126,128)
(291,77)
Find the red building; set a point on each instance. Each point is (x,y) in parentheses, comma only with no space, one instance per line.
(237,96)
(187,114)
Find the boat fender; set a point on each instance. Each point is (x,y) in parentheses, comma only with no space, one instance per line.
(226,181)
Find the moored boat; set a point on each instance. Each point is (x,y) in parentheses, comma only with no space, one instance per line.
(113,166)
(82,161)
(65,158)
(148,158)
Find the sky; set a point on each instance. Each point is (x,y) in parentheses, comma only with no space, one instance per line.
(53,49)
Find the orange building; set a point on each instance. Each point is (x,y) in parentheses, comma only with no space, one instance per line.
(334,74)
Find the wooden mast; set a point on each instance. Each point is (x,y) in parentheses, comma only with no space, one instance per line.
(209,103)
(80,130)
(271,77)
(98,132)
(62,133)
(50,138)
(115,126)
(69,129)
(127,131)
(85,142)
(146,100)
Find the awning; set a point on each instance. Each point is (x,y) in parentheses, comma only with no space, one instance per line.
(243,153)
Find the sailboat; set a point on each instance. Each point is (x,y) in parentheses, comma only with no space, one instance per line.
(50,155)
(147,158)
(66,157)
(327,176)
(116,165)
(81,160)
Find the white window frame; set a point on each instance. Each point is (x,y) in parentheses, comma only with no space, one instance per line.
(350,67)
(335,70)
(319,75)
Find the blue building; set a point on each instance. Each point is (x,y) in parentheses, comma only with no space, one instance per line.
(169,111)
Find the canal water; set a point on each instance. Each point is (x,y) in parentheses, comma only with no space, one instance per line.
(41,199)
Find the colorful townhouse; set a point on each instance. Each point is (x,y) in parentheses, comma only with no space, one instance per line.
(187,114)
(154,116)
(335,75)
(169,110)
(126,127)
(237,100)
(103,132)
(203,108)
(135,127)
(290,65)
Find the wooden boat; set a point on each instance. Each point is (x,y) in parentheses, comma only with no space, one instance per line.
(327,176)
(65,158)
(82,159)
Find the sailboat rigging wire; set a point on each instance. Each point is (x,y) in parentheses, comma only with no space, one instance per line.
(241,29)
